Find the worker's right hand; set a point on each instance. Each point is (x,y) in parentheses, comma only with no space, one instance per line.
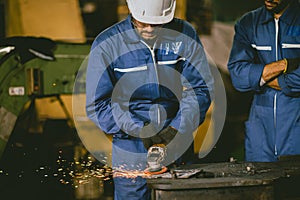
(274,69)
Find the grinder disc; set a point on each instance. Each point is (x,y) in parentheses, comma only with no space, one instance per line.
(160,171)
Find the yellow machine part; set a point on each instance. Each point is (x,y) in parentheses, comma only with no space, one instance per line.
(205,136)
(180,11)
(59,20)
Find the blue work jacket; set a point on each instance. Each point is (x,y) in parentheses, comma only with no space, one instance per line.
(130,84)
(273,127)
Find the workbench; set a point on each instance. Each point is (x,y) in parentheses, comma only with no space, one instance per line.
(232,180)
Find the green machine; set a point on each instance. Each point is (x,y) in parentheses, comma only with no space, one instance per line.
(32,68)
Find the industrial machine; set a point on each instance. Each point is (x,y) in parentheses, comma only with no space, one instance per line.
(40,56)
(28,74)
(43,49)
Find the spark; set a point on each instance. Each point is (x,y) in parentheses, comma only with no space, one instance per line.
(129,173)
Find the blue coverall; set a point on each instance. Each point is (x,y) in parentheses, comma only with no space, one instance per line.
(273,126)
(130,84)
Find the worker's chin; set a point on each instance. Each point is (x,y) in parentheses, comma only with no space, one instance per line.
(270,5)
(148,36)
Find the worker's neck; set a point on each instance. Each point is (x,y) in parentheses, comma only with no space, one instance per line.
(150,42)
(278,15)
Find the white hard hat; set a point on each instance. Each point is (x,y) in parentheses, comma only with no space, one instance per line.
(152,11)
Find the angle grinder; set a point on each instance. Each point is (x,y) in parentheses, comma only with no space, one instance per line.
(155,156)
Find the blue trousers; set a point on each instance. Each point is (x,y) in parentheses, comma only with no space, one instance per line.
(130,154)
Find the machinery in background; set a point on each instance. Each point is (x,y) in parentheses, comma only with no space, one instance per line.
(200,15)
(38,139)
(44,46)
(41,155)
(35,68)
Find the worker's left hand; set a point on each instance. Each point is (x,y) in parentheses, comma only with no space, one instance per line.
(149,137)
(150,141)
(163,137)
(167,134)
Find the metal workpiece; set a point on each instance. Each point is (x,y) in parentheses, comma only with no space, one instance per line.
(244,180)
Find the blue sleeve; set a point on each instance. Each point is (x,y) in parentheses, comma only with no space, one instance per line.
(197,84)
(245,72)
(99,88)
(290,83)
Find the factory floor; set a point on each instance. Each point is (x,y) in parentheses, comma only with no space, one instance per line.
(42,167)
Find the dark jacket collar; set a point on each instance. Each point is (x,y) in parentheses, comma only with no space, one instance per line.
(287,17)
(291,12)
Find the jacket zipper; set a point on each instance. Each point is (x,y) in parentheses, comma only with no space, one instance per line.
(156,74)
(276,38)
(275,121)
(275,96)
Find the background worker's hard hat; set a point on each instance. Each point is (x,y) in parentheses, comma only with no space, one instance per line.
(152,11)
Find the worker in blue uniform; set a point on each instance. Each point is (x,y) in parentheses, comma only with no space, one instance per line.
(265,59)
(148,82)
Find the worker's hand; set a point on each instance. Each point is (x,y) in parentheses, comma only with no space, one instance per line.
(151,141)
(274,84)
(274,69)
(147,142)
(167,134)
(164,137)
(292,64)
(149,136)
